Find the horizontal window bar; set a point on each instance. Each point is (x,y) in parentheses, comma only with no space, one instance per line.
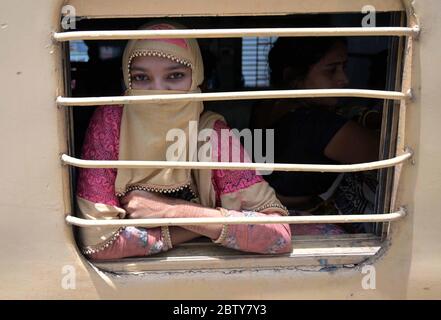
(238,95)
(384,217)
(235,165)
(235,33)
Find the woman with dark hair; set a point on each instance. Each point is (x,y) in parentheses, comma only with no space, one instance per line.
(309,130)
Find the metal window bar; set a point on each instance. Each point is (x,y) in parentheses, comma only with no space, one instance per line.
(80,163)
(238,95)
(236,33)
(238,220)
(403,155)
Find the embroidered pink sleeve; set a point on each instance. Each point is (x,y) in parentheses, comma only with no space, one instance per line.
(259,238)
(101,143)
(228,149)
(98,185)
(133,242)
(271,238)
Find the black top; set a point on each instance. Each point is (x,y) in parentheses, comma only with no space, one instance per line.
(301,137)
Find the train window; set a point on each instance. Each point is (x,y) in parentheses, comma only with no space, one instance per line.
(78,51)
(255,69)
(241,64)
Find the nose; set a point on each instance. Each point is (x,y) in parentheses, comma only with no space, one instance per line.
(158,84)
(342,78)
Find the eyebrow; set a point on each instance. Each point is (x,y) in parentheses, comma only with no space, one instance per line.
(173,67)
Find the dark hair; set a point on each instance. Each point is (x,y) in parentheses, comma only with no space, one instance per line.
(291,58)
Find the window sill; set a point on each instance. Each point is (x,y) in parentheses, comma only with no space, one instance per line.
(310,251)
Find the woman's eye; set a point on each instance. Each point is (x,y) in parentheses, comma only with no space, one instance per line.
(176,75)
(139,77)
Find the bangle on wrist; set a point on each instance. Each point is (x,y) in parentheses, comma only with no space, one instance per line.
(224,231)
(165,233)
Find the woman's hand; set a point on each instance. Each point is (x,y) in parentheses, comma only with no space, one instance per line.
(143,204)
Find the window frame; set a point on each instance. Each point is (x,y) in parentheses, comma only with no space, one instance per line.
(331,248)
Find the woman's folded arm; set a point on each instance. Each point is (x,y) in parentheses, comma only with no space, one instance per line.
(259,238)
(133,242)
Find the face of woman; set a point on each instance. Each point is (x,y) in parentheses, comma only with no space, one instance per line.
(157,73)
(329,73)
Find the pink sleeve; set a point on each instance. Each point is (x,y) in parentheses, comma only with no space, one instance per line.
(133,242)
(260,238)
(98,185)
(101,143)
